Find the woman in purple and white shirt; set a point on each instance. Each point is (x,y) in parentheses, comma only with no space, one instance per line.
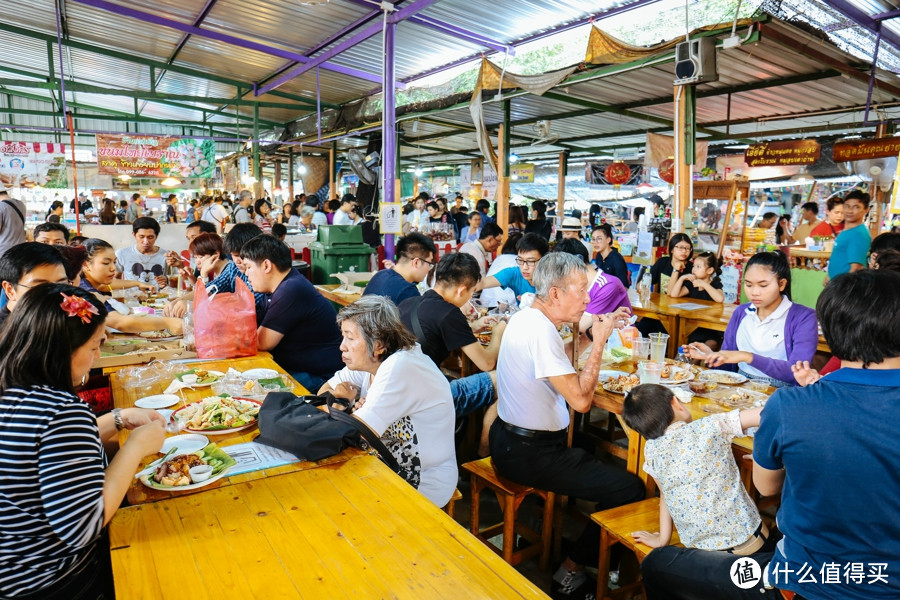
(768,334)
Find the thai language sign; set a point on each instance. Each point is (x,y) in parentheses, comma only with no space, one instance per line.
(792,152)
(864,149)
(28,164)
(141,155)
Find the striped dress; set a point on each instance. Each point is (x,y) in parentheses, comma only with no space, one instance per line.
(51,487)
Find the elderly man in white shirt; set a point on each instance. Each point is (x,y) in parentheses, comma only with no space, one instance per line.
(536,384)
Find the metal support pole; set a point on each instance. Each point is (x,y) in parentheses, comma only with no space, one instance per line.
(389,125)
(257,167)
(74,173)
(318,108)
(872,75)
(291,174)
(561,185)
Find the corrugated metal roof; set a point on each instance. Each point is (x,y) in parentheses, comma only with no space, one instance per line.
(298,27)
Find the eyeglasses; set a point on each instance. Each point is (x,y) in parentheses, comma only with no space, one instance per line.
(522,261)
(427,262)
(683,248)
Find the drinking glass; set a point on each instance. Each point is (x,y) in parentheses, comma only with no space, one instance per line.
(658,344)
(649,371)
(640,348)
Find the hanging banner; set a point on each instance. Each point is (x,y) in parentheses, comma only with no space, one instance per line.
(865,149)
(155,156)
(27,164)
(791,152)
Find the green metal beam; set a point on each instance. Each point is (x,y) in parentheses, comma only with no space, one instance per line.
(155,63)
(101,90)
(117,118)
(55,81)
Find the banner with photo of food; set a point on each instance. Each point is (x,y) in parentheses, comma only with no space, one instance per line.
(140,155)
(29,164)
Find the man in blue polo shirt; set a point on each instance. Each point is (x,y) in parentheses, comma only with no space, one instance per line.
(299,327)
(415,257)
(530,249)
(829,450)
(852,244)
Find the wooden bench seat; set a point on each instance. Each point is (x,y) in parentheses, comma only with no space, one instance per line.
(616,525)
(510,496)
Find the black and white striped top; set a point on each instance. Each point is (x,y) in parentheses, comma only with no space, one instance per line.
(51,487)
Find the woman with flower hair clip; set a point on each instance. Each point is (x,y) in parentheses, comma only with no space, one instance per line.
(58,489)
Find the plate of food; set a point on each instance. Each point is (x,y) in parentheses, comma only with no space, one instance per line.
(737,398)
(604,374)
(621,384)
(218,415)
(198,377)
(484,337)
(672,374)
(157,401)
(190,471)
(719,376)
(162,335)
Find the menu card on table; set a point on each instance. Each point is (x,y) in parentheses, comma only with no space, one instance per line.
(251,456)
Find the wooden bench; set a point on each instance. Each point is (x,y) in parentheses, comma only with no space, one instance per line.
(616,525)
(451,505)
(510,496)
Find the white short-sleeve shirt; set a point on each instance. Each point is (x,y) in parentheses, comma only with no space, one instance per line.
(766,337)
(532,351)
(408,404)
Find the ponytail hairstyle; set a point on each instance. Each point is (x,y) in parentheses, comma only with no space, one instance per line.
(712,263)
(776,262)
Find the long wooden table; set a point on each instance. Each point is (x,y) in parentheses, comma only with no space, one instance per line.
(682,322)
(124,396)
(350,529)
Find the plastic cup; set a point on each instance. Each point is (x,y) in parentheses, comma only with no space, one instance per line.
(628,334)
(649,371)
(640,348)
(658,345)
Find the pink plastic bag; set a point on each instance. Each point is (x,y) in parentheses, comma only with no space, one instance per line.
(225,323)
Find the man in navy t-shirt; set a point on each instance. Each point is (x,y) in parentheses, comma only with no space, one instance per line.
(415,257)
(299,327)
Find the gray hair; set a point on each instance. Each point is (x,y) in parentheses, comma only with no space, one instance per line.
(554,269)
(307,211)
(246,194)
(379,321)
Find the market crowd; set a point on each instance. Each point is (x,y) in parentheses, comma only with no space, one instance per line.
(507,301)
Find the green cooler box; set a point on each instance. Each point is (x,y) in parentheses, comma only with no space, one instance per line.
(338,248)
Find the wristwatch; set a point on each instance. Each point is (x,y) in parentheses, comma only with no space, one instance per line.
(117,419)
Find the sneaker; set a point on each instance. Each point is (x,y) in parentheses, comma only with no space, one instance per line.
(571,585)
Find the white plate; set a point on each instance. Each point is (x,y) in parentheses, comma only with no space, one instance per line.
(219,375)
(605,374)
(733,378)
(186,443)
(191,486)
(260,374)
(158,401)
(672,381)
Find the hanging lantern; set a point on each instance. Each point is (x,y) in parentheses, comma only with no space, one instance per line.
(667,170)
(617,173)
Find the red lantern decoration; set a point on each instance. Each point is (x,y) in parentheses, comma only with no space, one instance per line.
(617,173)
(667,170)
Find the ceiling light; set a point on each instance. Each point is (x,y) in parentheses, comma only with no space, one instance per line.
(802,177)
(419,171)
(513,158)
(301,169)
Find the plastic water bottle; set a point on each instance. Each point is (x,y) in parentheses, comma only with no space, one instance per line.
(682,358)
(188,327)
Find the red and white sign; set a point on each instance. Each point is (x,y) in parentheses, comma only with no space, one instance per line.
(28,164)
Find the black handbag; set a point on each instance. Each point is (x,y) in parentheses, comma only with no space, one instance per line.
(294,424)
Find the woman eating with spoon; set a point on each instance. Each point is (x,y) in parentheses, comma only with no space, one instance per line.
(58,489)
(768,334)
